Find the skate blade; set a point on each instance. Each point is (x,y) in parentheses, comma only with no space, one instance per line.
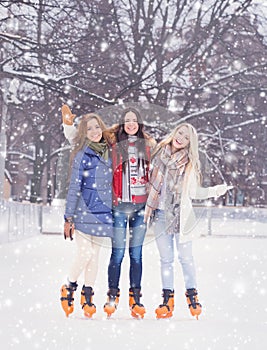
(66,308)
(163,312)
(195,312)
(109,310)
(89,311)
(138,311)
(166,315)
(137,316)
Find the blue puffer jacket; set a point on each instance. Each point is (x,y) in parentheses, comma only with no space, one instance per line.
(89,199)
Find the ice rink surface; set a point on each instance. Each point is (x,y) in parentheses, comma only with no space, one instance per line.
(232,286)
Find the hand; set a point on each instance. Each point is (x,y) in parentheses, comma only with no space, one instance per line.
(69,228)
(67,116)
(222,189)
(148,213)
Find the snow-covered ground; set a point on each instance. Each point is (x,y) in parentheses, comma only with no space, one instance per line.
(232,288)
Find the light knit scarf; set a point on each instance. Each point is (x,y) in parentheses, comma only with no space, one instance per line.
(174,165)
(169,168)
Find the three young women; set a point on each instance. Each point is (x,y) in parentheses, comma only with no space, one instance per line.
(174,181)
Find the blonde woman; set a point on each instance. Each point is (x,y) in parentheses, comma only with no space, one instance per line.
(174,182)
(88,212)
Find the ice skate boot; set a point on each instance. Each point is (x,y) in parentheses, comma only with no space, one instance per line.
(165,309)
(67,291)
(193,302)
(112,301)
(137,309)
(86,301)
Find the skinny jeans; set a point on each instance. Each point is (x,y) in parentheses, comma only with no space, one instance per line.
(166,243)
(127,216)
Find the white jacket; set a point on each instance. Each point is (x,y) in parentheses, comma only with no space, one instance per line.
(70,132)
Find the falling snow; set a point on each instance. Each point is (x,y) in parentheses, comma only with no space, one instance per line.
(231,263)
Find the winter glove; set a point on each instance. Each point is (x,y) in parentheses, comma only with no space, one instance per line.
(69,228)
(67,116)
(221,190)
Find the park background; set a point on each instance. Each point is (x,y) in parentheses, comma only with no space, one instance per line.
(200,61)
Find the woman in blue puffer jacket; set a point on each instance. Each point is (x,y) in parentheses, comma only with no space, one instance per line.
(88,212)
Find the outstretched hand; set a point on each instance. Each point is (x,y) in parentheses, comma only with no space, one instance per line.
(222,189)
(67,116)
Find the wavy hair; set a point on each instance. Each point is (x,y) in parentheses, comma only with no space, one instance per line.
(193,154)
(81,139)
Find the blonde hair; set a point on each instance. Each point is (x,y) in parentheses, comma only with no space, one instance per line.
(193,154)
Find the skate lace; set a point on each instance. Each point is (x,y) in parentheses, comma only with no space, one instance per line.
(88,296)
(193,299)
(112,298)
(166,296)
(136,297)
(69,296)
(166,299)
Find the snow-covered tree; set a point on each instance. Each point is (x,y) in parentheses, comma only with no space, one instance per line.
(205,61)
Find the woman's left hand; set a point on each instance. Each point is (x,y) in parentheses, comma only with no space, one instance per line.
(148,213)
(221,190)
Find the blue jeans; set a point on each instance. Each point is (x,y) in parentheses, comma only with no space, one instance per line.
(133,215)
(165,244)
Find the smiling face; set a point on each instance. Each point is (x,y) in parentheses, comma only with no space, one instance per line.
(131,125)
(181,139)
(94,131)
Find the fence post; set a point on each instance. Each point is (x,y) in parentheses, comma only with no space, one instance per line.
(209,220)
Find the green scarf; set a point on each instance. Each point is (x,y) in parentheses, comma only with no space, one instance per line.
(100,148)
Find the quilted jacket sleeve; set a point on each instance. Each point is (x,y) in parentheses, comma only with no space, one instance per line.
(74,191)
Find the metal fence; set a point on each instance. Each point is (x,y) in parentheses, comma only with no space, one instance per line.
(237,221)
(19,220)
(22,220)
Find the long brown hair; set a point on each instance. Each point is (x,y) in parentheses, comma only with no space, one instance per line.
(122,139)
(81,139)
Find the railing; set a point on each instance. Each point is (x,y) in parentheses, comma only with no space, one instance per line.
(216,221)
(23,220)
(19,220)
(237,221)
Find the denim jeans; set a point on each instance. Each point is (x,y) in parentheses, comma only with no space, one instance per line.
(165,244)
(132,215)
